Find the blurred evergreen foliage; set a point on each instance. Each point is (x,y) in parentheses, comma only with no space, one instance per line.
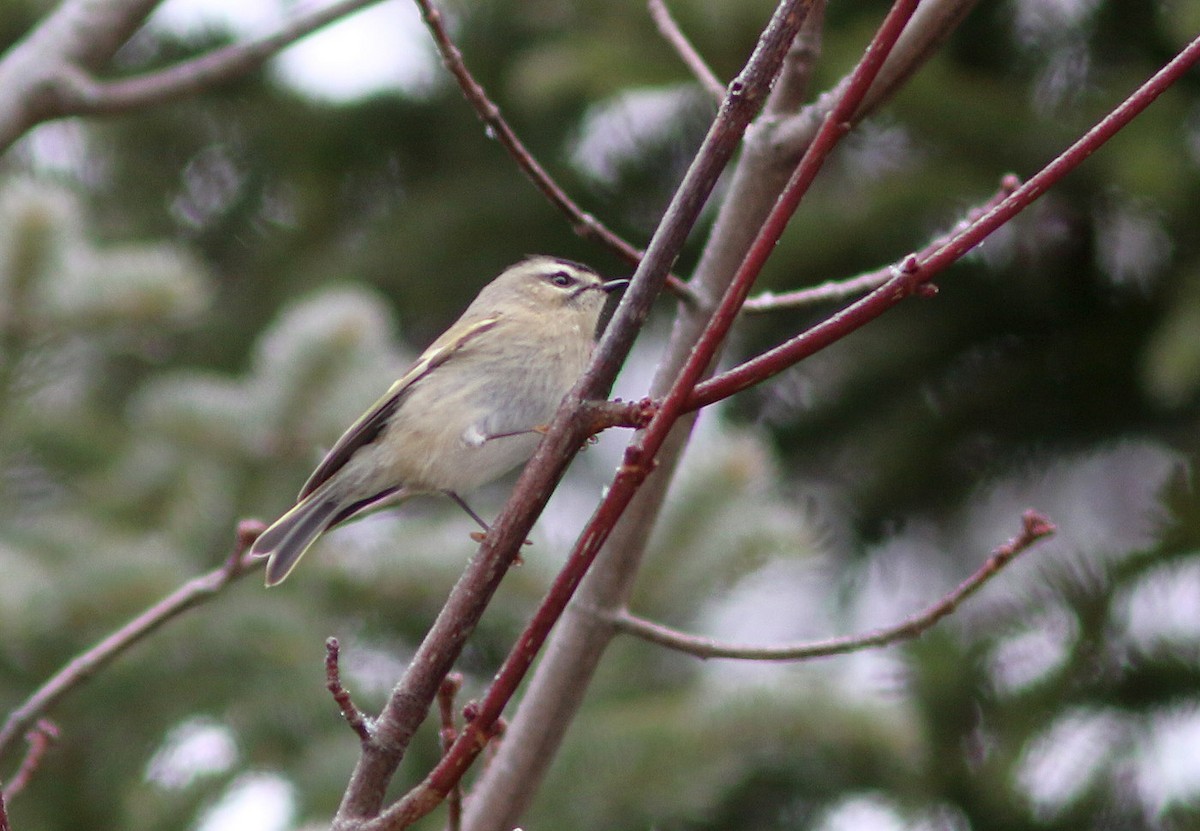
(195,299)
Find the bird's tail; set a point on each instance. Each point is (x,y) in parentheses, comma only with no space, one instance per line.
(291,535)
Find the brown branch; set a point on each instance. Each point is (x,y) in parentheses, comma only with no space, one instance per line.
(835,290)
(1035,526)
(39,739)
(333,682)
(79,669)
(639,456)
(914,274)
(447,691)
(552,699)
(410,701)
(583,223)
(601,415)
(86,95)
(669,29)
(51,72)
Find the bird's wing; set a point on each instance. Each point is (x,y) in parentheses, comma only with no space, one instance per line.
(372,422)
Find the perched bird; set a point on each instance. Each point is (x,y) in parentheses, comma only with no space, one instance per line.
(469,410)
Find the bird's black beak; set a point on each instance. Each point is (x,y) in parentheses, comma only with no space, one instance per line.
(612,285)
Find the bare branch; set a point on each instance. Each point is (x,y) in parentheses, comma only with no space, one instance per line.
(639,456)
(89,96)
(333,683)
(601,415)
(1035,526)
(39,739)
(914,274)
(4,825)
(799,64)
(51,73)
(410,701)
(192,593)
(449,688)
(669,29)
(835,290)
(583,223)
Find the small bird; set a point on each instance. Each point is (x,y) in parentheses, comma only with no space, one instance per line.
(469,410)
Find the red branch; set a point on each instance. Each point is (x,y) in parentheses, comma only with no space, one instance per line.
(914,272)
(449,688)
(637,465)
(39,739)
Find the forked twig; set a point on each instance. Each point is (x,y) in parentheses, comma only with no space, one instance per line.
(1034,526)
(836,290)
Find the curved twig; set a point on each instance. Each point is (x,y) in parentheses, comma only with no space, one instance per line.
(1034,526)
(82,667)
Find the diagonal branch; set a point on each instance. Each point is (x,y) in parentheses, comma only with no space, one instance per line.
(192,593)
(669,29)
(639,456)
(914,274)
(39,738)
(411,699)
(834,290)
(583,223)
(1034,526)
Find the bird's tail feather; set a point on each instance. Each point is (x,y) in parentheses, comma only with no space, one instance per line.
(291,535)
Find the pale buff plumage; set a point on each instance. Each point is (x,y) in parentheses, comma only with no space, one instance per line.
(465,413)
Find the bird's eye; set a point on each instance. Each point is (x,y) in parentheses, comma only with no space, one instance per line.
(562,279)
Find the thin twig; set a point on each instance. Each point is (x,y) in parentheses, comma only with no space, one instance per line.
(4,826)
(669,29)
(79,669)
(409,702)
(333,683)
(913,275)
(638,462)
(1035,526)
(583,223)
(449,688)
(39,739)
(836,290)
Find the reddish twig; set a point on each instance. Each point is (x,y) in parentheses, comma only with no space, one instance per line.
(583,223)
(913,272)
(4,826)
(84,666)
(638,463)
(835,290)
(408,704)
(39,739)
(669,29)
(447,691)
(1034,527)
(333,682)
(601,415)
